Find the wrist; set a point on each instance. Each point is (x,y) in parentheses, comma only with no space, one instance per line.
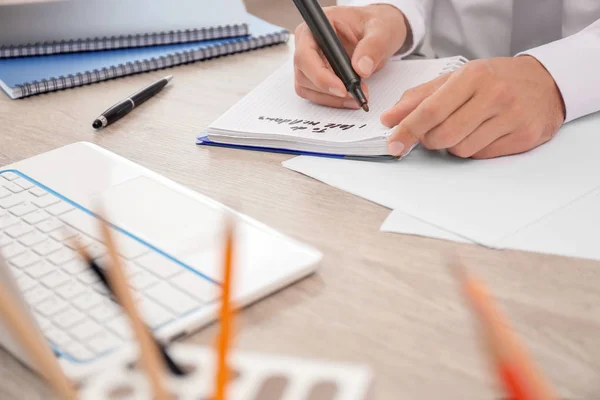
(557,102)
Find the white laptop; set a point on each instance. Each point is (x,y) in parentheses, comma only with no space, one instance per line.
(170,241)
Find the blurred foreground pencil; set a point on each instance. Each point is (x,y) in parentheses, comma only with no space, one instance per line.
(226,316)
(34,344)
(516,371)
(150,355)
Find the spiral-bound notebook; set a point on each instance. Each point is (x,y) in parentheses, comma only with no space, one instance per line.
(26,76)
(272,117)
(64,26)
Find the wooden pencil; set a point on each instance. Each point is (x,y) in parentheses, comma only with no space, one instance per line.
(226,317)
(34,344)
(150,356)
(517,372)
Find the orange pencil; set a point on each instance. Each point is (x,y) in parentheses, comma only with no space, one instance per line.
(516,371)
(226,317)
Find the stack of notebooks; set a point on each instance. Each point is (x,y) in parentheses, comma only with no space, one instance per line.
(74,42)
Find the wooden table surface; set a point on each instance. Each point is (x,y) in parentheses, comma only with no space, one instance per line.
(383,299)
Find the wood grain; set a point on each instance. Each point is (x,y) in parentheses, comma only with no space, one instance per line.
(383,299)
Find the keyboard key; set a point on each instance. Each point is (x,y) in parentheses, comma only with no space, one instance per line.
(13,187)
(88,277)
(61,256)
(22,209)
(70,289)
(51,305)
(25,283)
(55,279)
(103,342)
(4,239)
(8,220)
(32,238)
(96,250)
(74,267)
(67,318)
(40,269)
(197,286)
(35,217)
(86,330)
(159,265)
(43,202)
(38,192)
(10,201)
(105,311)
(58,337)
(63,234)
(153,314)
(59,208)
(142,280)
(79,352)
(49,225)
(87,300)
(42,322)
(25,259)
(46,247)
(23,183)
(19,229)
(171,298)
(81,240)
(13,249)
(10,176)
(4,192)
(121,327)
(36,295)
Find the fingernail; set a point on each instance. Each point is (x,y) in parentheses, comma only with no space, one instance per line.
(351,104)
(337,92)
(396,148)
(365,65)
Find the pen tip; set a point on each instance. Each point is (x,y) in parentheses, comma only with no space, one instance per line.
(365,107)
(168,78)
(97,124)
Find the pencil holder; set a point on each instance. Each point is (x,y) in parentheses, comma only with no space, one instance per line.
(253,377)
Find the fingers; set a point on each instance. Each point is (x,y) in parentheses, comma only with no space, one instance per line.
(326,99)
(308,59)
(514,143)
(410,100)
(461,125)
(371,51)
(487,133)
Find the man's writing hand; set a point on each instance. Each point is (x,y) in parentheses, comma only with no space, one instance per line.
(370,35)
(487,108)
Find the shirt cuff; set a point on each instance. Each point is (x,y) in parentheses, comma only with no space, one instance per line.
(414,14)
(574,64)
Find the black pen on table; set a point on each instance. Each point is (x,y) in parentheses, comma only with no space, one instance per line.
(123,107)
(330,44)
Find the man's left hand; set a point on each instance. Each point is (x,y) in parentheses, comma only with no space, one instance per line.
(488,108)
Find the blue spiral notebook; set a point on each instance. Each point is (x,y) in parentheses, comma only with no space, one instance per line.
(26,76)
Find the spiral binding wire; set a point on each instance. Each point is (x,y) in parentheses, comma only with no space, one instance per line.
(178,58)
(120,42)
(454,64)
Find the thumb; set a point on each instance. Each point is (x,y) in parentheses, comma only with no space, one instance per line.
(371,51)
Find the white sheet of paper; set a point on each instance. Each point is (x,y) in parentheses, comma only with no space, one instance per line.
(400,222)
(483,200)
(273,107)
(571,231)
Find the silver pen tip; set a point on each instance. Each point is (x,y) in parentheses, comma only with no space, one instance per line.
(168,78)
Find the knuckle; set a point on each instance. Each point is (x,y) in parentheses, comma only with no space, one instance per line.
(441,137)
(478,68)
(430,111)
(502,92)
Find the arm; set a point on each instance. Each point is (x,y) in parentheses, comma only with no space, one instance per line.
(574,63)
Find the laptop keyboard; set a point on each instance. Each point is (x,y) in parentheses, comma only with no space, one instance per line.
(73,309)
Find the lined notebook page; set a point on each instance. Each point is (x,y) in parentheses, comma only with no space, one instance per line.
(273,109)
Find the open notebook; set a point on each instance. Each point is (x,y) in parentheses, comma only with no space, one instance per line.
(65,26)
(273,117)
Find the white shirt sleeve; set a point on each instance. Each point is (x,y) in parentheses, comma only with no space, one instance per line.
(413,10)
(574,63)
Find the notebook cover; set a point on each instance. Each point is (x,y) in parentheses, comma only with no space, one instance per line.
(25,76)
